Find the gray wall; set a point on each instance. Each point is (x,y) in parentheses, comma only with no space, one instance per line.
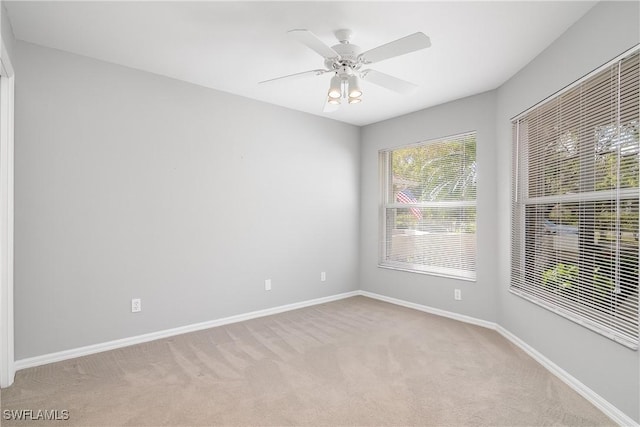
(610,369)
(476,113)
(129,184)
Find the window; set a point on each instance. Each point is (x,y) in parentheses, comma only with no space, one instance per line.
(428,207)
(575,202)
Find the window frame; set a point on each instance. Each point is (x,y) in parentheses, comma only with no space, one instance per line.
(582,312)
(385,187)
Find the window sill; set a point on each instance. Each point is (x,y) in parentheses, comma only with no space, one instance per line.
(427,272)
(576,318)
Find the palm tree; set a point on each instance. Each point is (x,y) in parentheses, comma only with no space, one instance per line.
(442,171)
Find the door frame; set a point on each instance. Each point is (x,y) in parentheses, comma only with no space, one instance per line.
(7,82)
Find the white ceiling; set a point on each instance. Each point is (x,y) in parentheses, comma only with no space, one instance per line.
(231,46)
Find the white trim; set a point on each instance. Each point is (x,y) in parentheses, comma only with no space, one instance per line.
(125,342)
(431,310)
(594,398)
(430,141)
(388,202)
(585,322)
(598,401)
(587,196)
(434,204)
(7,79)
(430,271)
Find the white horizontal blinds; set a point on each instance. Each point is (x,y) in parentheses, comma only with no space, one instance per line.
(430,207)
(575,202)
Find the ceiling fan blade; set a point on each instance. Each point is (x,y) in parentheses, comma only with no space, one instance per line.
(408,44)
(297,75)
(310,40)
(388,82)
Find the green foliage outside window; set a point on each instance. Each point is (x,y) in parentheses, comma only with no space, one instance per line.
(428,171)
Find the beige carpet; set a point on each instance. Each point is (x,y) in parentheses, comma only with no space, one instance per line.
(356,361)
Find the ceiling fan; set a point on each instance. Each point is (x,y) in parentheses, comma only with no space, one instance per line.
(346,62)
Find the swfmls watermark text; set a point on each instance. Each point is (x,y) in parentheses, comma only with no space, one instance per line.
(35,414)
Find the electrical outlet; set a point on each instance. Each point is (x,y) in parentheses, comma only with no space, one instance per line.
(323,276)
(267,285)
(457,294)
(136,305)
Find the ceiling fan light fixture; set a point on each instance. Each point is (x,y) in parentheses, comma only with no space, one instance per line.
(344,62)
(354,87)
(335,88)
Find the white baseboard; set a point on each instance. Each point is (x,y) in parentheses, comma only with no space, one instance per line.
(594,398)
(607,408)
(431,310)
(125,342)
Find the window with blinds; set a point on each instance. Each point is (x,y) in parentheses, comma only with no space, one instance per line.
(575,201)
(428,193)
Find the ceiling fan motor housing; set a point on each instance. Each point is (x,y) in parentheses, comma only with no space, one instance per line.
(348,57)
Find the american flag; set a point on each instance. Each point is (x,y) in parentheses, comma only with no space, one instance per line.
(405,196)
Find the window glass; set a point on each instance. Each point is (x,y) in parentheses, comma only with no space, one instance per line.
(429,207)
